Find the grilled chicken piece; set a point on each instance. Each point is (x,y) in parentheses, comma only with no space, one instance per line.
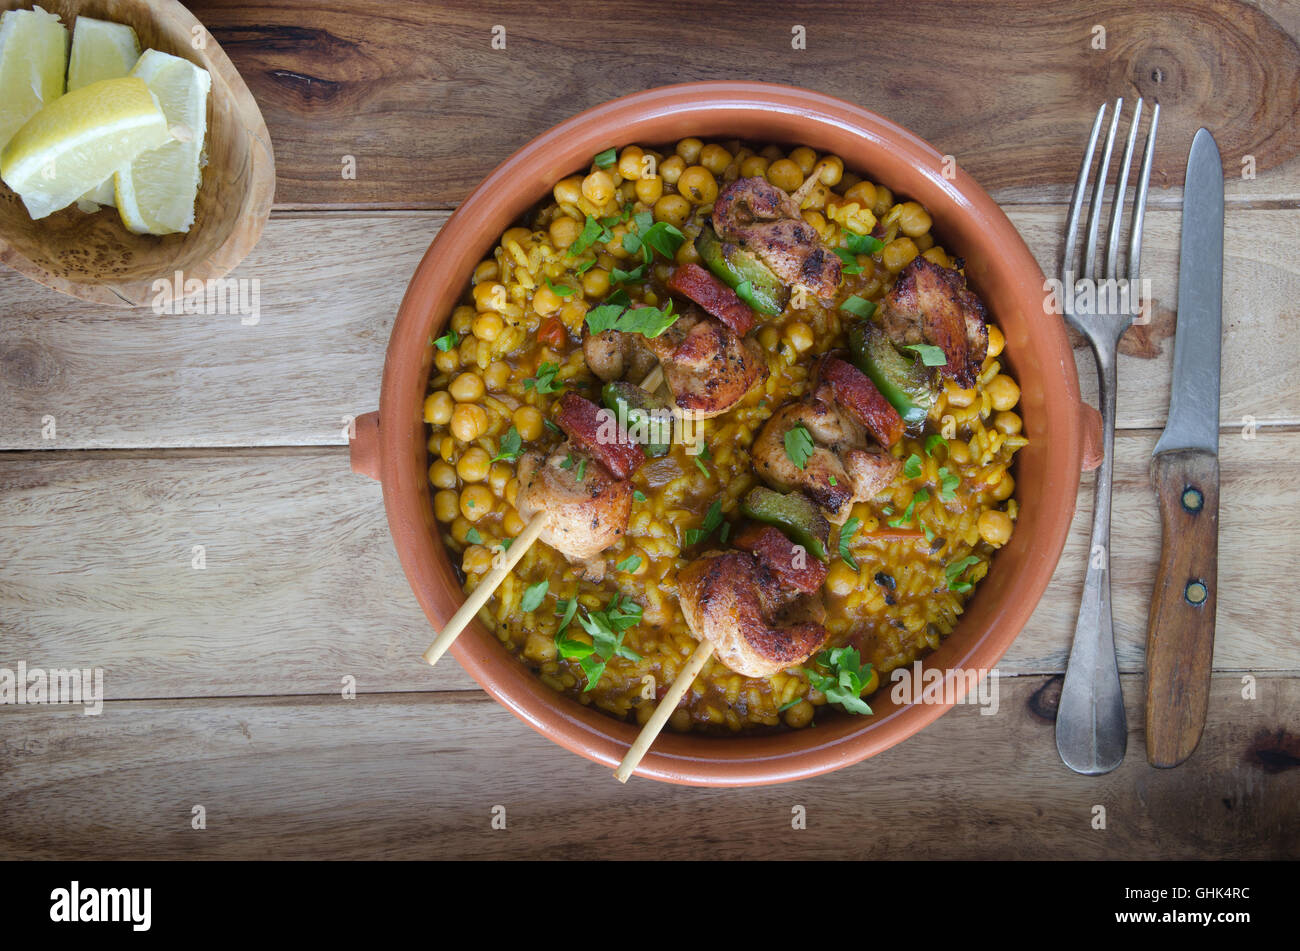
(584,516)
(932,304)
(708,367)
(762,218)
(757,624)
(841,469)
(612,355)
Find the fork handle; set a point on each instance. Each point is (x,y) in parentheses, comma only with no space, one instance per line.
(1180,631)
(1091,726)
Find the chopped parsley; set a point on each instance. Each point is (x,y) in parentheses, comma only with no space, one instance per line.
(606,628)
(606,158)
(712,519)
(849,261)
(447,341)
(948,483)
(638,495)
(634,276)
(955,570)
(544,381)
(912,467)
(630,563)
(932,442)
(922,496)
(846,538)
(858,306)
(508,448)
(473,537)
(561,290)
(646,321)
(786,706)
(798,444)
(582,468)
(702,457)
(533,595)
(931,355)
(863,243)
(592,231)
(847,679)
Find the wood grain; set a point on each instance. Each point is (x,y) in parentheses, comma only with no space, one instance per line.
(419,97)
(418,776)
(316,352)
(1180,633)
(302,587)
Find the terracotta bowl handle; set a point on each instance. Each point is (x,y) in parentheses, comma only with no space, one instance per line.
(1089,419)
(365,445)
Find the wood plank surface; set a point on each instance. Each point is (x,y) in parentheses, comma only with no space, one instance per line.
(419,97)
(124,379)
(418,776)
(301,585)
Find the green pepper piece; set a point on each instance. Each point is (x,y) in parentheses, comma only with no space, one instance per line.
(793,513)
(629,403)
(905,381)
(744,273)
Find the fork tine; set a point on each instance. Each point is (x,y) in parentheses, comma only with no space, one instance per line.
(1140,203)
(1117,200)
(1099,193)
(1068,273)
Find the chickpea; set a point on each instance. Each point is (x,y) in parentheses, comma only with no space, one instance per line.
(884,201)
(715,158)
(595,283)
(442,475)
(488,326)
(498,476)
(496,376)
(512,492)
(569,190)
(476,501)
(799,715)
(473,465)
(680,720)
(490,296)
(447,449)
(937,256)
(913,220)
(698,185)
(539,648)
(528,423)
(785,174)
(815,218)
(476,560)
(598,187)
(754,167)
(995,527)
(996,340)
(671,168)
(772,153)
(629,163)
(673,209)
(572,314)
(864,193)
(466,388)
(520,236)
(957,396)
(841,579)
(898,254)
(460,527)
(485,271)
(564,231)
(689,150)
(511,523)
(768,338)
(799,335)
(468,422)
(546,301)
(1002,491)
(924,242)
(447,361)
(649,190)
(462,318)
(959,452)
(437,408)
(1003,392)
(1007,422)
(805,158)
(830,170)
(446,504)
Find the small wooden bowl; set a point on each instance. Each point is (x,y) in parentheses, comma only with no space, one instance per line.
(95,257)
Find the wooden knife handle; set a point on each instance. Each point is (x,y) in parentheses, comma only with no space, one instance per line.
(1180,632)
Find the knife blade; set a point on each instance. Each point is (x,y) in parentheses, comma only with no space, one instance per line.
(1185,475)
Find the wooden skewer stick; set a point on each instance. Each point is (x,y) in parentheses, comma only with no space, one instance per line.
(637,751)
(492,580)
(479,596)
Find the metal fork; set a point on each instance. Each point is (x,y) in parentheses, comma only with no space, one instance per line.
(1091,729)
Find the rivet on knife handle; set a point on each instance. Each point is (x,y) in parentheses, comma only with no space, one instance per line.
(1180,634)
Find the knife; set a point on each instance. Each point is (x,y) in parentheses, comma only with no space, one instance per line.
(1185,474)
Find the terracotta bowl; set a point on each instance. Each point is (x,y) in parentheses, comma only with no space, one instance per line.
(94,257)
(390,444)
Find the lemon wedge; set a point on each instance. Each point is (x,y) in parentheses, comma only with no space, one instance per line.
(100,50)
(79,139)
(33,56)
(155,194)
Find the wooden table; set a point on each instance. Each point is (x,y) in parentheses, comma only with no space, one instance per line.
(226,683)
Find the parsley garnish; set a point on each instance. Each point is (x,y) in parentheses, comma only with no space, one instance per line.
(447,341)
(508,448)
(858,306)
(664,238)
(934,441)
(862,243)
(591,231)
(954,571)
(948,483)
(568,462)
(606,628)
(630,563)
(606,158)
(533,595)
(582,468)
(634,276)
(849,262)
(712,519)
(544,382)
(646,321)
(931,356)
(473,537)
(798,444)
(700,458)
(563,290)
(847,679)
(912,467)
(922,496)
(638,495)
(846,537)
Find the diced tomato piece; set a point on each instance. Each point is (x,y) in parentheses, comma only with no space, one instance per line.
(854,391)
(581,421)
(791,563)
(693,281)
(551,332)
